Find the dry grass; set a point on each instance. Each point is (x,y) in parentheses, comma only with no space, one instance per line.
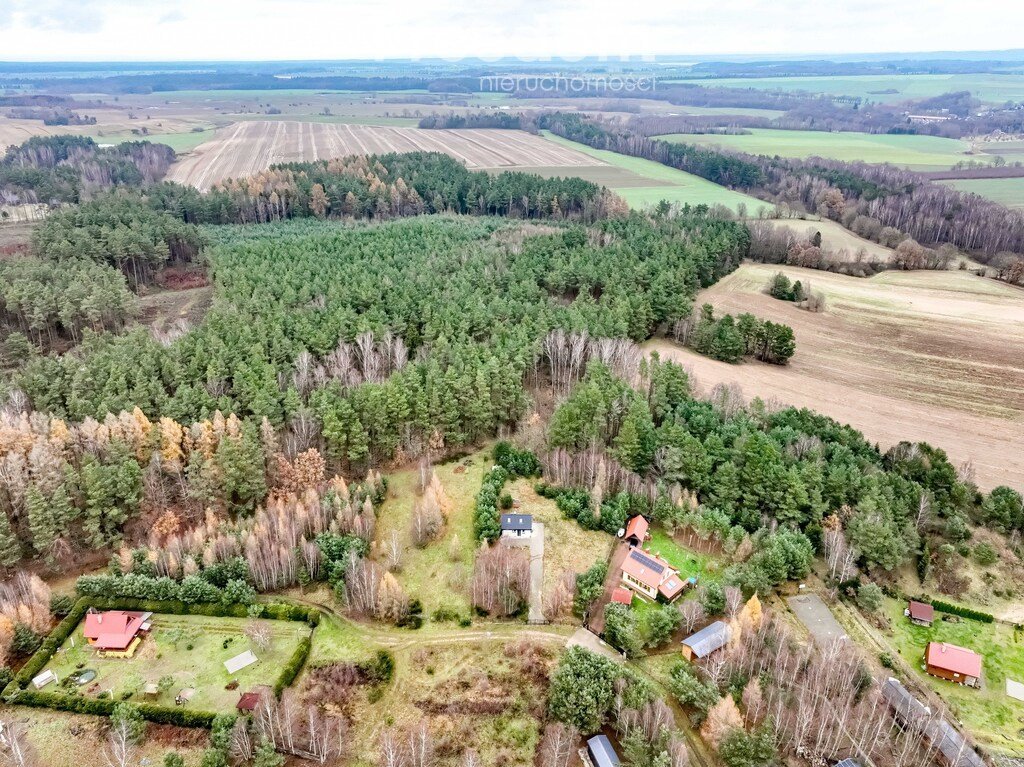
(567,546)
(924,356)
(432,574)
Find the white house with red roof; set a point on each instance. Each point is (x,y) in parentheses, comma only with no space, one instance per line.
(114,630)
(651,576)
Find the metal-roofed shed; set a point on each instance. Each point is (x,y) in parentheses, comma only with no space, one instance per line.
(707,640)
(602,754)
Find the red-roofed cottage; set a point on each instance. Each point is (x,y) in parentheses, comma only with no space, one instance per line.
(636,531)
(113,630)
(957,664)
(920,613)
(650,576)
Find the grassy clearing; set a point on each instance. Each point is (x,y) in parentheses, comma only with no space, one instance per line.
(689,563)
(887,89)
(675,185)
(179,142)
(196,660)
(432,574)
(992,716)
(918,152)
(567,546)
(473,695)
(835,237)
(1005,191)
(74,740)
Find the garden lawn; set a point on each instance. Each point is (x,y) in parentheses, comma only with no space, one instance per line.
(688,562)
(989,713)
(438,574)
(676,186)
(917,152)
(195,660)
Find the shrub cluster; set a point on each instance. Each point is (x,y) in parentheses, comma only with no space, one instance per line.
(193,589)
(486,515)
(518,463)
(182,717)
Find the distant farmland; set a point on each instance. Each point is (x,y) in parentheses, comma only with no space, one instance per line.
(926,356)
(1005,191)
(917,152)
(246,148)
(644,183)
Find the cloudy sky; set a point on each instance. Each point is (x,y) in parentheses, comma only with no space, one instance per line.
(105,30)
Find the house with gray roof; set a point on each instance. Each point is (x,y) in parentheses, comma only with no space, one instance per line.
(707,640)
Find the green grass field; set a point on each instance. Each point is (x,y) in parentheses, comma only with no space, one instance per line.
(675,185)
(918,152)
(196,660)
(688,562)
(887,89)
(179,142)
(1005,191)
(432,574)
(994,718)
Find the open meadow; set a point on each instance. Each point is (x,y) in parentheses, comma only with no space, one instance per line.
(915,152)
(886,89)
(649,182)
(1005,191)
(835,238)
(248,147)
(991,716)
(191,649)
(925,356)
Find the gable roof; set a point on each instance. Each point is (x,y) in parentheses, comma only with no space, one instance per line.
(848,763)
(603,753)
(909,710)
(951,744)
(622,595)
(920,611)
(708,639)
(248,701)
(646,568)
(517,522)
(951,657)
(637,526)
(113,629)
(671,586)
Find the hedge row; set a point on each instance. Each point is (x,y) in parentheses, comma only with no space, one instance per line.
(17,693)
(51,644)
(293,666)
(279,611)
(180,716)
(963,612)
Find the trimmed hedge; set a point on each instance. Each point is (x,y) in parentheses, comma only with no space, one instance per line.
(17,693)
(963,612)
(293,666)
(182,717)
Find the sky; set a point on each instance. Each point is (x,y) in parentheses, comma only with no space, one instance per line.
(159,30)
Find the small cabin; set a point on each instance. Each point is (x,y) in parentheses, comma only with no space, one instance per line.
(710,638)
(601,752)
(957,664)
(637,531)
(920,613)
(516,525)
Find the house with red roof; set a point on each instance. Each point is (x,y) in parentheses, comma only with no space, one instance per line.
(920,613)
(636,531)
(957,664)
(114,630)
(651,576)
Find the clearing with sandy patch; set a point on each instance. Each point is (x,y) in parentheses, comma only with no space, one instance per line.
(922,356)
(246,148)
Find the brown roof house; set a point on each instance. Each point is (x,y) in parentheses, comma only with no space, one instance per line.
(920,613)
(957,664)
(650,576)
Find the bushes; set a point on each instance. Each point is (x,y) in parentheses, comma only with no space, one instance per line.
(49,646)
(486,517)
(293,666)
(279,611)
(963,612)
(379,669)
(589,585)
(182,717)
(518,463)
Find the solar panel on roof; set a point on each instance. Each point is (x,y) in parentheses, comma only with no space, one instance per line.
(646,561)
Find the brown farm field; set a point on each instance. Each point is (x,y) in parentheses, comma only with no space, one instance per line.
(923,356)
(248,147)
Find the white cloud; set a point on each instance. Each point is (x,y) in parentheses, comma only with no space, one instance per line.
(336,29)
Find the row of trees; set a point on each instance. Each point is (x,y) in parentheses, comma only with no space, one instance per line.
(730,339)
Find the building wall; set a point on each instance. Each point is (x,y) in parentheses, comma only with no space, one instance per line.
(632,583)
(951,676)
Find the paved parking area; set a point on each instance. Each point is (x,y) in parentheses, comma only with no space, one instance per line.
(816,616)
